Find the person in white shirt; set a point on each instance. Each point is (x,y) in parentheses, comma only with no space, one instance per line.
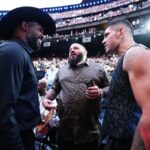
(50,75)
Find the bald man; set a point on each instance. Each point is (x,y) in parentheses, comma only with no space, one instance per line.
(80,84)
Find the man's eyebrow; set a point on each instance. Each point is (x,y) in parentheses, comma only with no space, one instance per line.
(105,34)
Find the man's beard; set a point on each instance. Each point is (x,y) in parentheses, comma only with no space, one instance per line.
(114,50)
(35,43)
(74,62)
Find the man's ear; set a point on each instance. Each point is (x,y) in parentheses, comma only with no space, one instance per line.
(24,26)
(122,31)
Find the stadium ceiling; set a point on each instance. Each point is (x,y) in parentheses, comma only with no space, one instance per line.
(9,4)
(50,6)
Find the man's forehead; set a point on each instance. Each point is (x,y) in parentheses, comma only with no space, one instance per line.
(33,23)
(110,29)
(76,45)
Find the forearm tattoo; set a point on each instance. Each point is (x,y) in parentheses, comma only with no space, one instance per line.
(141,139)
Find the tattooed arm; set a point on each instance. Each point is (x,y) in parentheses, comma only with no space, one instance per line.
(137,64)
(141,137)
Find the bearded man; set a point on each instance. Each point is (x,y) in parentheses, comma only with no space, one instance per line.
(23,28)
(79,103)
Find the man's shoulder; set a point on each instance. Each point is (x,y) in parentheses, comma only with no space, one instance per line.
(64,66)
(135,51)
(9,45)
(8,42)
(95,64)
(10,50)
(135,55)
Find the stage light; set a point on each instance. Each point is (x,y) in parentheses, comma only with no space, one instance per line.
(148,25)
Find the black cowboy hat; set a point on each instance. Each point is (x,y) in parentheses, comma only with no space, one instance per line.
(9,22)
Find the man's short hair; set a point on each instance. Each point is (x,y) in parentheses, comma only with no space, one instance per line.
(121,21)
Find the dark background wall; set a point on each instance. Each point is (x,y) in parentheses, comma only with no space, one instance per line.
(94,48)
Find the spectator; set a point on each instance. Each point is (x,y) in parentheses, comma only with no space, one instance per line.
(50,75)
(78,105)
(23,28)
(42,90)
(45,131)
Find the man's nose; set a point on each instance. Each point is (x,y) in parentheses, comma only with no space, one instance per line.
(42,36)
(72,50)
(103,42)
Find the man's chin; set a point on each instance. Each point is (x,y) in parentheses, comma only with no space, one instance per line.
(108,52)
(37,49)
(73,57)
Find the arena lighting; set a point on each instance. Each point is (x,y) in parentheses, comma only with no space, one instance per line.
(148,25)
(94,36)
(66,8)
(76,38)
(136,22)
(85,38)
(54,9)
(40,4)
(47,44)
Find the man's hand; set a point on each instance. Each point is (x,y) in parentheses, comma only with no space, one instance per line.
(49,104)
(93,92)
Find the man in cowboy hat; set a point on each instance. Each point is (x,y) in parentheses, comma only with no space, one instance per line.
(22,30)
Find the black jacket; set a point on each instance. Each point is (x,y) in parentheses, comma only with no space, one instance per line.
(19,105)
